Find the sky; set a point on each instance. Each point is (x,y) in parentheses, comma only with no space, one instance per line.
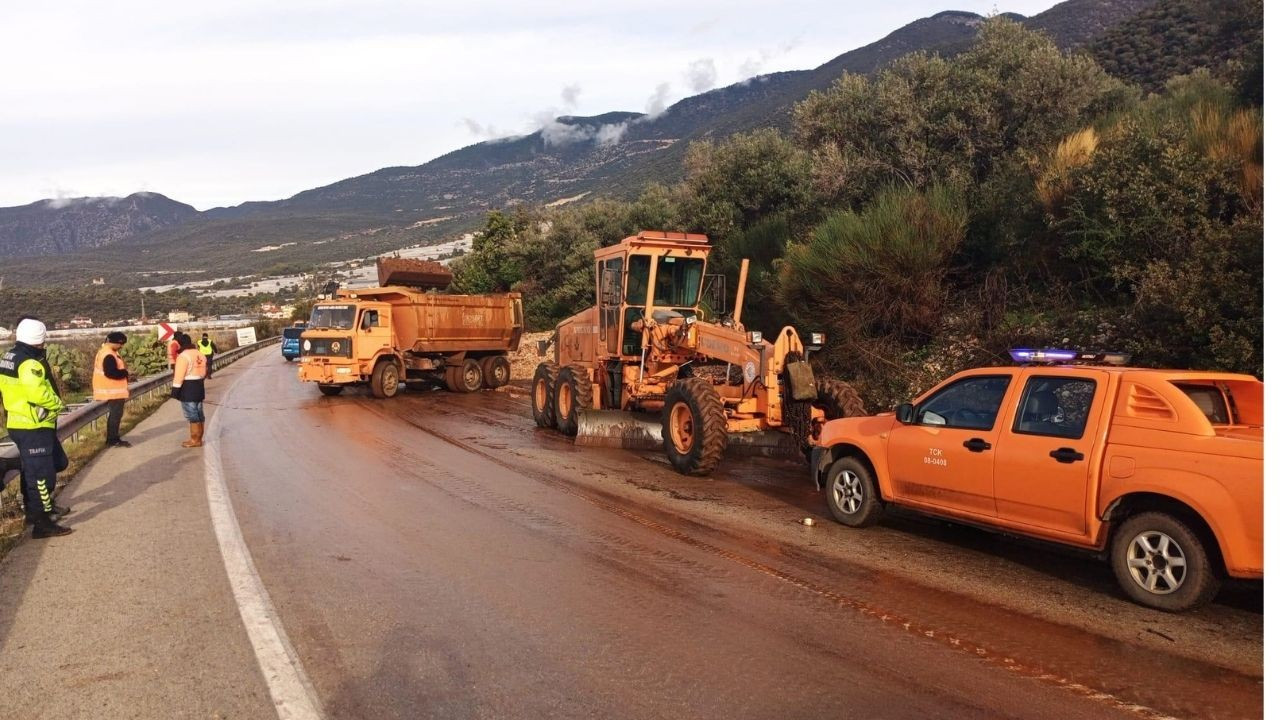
(218,102)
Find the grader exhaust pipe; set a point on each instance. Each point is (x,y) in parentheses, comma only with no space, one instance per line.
(742,293)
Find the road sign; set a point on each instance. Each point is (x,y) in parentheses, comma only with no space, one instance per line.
(246,336)
(164,331)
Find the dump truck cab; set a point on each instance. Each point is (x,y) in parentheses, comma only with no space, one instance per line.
(345,339)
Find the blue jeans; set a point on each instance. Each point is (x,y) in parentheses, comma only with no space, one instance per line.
(194,411)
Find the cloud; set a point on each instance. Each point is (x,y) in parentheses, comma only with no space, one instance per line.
(570,95)
(701,75)
(658,101)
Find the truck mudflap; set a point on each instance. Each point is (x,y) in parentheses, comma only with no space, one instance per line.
(819,460)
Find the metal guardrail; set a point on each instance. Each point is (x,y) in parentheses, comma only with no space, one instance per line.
(76,421)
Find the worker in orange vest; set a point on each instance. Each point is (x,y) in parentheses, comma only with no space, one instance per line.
(188,387)
(111,385)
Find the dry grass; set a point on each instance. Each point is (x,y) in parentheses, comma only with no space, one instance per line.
(1053,182)
(1232,136)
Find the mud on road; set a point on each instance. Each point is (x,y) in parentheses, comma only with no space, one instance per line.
(1024,613)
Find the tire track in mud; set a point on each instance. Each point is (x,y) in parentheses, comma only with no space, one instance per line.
(1215,692)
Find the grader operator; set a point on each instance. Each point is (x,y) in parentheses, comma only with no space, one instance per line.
(645,348)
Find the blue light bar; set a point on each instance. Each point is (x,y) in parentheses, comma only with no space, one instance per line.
(1043,355)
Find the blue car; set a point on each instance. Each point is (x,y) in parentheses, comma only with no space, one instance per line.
(291,343)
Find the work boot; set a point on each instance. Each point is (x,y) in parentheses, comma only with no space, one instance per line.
(46,527)
(197,436)
(190,442)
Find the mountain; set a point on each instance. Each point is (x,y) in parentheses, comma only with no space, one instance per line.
(50,227)
(614,154)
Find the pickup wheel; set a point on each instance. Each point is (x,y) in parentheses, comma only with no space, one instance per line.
(852,494)
(497,371)
(542,395)
(1162,563)
(695,431)
(573,395)
(385,382)
(470,377)
(330,390)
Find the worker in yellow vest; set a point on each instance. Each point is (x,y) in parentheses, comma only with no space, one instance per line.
(188,387)
(111,385)
(207,348)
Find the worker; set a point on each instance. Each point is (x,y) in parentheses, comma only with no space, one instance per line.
(172,349)
(188,387)
(111,385)
(207,349)
(32,405)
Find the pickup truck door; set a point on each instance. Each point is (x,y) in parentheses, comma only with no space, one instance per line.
(1048,450)
(946,457)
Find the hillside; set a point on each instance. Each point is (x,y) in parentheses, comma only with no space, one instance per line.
(1175,37)
(614,154)
(49,227)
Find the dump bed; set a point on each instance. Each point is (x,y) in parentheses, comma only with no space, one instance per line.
(413,273)
(440,323)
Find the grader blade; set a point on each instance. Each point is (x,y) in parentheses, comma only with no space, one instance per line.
(619,429)
(643,431)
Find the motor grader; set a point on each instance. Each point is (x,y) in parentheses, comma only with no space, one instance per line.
(649,363)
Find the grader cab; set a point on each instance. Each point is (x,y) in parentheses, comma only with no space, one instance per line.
(648,364)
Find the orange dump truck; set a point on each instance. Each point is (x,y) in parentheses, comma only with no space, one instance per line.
(1158,470)
(387,335)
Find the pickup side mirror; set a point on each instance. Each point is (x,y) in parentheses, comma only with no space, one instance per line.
(905,413)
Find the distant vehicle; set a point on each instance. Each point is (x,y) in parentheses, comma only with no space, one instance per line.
(387,335)
(1159,470)
(291,343)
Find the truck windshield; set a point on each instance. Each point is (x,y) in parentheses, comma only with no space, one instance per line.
(337,317)
(678,282)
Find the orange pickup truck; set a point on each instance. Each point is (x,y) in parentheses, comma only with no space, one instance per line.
(1159,470)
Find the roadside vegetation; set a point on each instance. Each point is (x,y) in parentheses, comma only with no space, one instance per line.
(934,214)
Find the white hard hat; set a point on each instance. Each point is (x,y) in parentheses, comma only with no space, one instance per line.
(30,331)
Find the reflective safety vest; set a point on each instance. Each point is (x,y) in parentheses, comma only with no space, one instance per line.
(30,400)
(191,365)
(206,347)
(105,388)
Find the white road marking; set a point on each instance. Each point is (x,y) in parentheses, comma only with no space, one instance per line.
(291,691)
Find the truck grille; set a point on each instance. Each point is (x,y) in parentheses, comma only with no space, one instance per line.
(327,347)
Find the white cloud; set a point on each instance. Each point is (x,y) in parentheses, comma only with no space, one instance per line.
(701,75)
(570,95)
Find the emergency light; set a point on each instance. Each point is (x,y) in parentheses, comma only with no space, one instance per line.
(1052,355)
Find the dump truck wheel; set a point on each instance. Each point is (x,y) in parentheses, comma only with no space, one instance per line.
(1163,563)
(385,382)
(542,396)
(470,376)
(695,432)
(573,394)
(451,381)
(497,371)
(330,390)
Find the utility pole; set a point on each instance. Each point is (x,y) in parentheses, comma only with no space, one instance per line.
(144,309)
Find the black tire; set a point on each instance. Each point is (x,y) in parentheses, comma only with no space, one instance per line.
(853,495)
(573,395)
(1155,579)
(497,371)
(470,377)
(385,382)
(838,399)
(451,379)
(542,395)
(330,390)
(698,444)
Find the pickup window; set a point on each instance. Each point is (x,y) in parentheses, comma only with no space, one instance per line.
(971,403)
(1210,400)
(1055,406)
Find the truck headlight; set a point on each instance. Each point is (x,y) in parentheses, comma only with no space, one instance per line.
(306,345)
(817,338)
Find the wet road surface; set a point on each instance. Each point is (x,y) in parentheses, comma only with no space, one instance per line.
(433,555)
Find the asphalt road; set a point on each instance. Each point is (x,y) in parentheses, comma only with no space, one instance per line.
(434,555)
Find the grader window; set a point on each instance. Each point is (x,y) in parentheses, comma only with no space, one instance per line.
(638,279)
(679,280)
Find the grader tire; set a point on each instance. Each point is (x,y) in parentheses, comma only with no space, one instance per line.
(695,431)
(497,371)
(838,399)
(573,394)
(542,396)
